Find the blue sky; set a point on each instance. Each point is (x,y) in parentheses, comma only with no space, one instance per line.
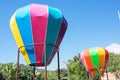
(91,23)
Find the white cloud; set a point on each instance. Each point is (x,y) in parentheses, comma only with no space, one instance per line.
(115,48)
(119,14)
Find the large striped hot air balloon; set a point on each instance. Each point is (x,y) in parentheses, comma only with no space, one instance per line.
(95,60)
(35,24)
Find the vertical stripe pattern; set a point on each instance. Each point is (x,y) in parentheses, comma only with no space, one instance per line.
(88,62)
(54,24)
(60,36)
(18,39)
(38,24)
(95,59)
(24,25)
(39,18)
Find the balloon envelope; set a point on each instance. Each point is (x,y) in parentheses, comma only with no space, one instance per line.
(95,58)
(39,24)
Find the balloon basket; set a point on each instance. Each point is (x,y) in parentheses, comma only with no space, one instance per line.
(45,70)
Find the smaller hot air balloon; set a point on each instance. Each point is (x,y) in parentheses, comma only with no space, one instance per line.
(95,60)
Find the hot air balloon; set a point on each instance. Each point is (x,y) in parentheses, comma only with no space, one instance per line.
(38,24)
(95,60)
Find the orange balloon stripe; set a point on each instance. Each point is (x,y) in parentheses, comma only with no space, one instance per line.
(101,53)
(88,62)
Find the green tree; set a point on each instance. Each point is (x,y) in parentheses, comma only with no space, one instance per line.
(76,69)
(39,74)
(114,63)
(1,76)
(64,73)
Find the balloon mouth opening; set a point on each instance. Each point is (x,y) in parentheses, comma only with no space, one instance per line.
(38,64)
(96,72)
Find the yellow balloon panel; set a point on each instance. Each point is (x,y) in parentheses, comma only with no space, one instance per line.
(18,38)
